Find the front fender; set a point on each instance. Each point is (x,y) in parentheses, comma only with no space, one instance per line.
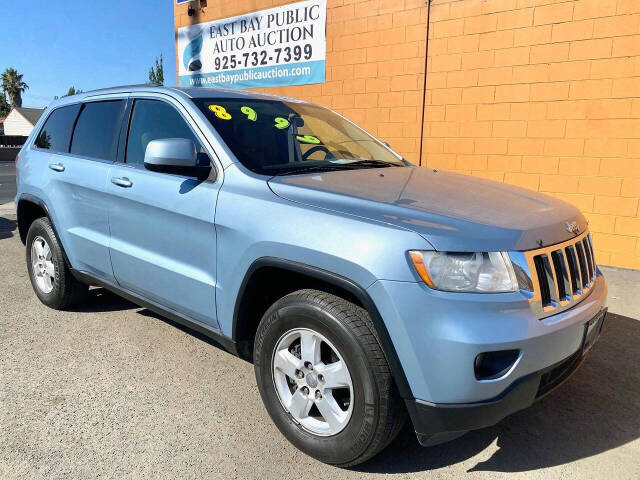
(252,222)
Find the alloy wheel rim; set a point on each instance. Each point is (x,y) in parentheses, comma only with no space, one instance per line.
(312,381)
(42,266)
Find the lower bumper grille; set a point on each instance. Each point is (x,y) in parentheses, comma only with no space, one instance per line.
(554,377)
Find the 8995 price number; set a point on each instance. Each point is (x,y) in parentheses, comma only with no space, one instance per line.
(262,57)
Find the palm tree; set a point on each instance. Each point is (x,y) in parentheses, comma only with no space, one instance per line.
(14,86)
(4,106)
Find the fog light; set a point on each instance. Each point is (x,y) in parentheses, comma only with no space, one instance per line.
(491,365)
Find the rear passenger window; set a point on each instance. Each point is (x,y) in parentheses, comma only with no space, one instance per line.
(154,120)
(97,129)
(56,131)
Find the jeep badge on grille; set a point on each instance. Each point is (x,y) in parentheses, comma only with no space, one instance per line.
(572,227)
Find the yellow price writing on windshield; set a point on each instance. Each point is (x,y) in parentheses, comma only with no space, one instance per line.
(220,112)
(250,113)
(308,139)
(281,123)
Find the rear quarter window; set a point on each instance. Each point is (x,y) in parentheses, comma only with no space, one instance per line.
(97,130)
(55,134)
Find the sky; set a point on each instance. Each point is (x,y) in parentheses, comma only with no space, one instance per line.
(57,44)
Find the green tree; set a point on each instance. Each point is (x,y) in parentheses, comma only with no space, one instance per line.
(13,85)
(4,105)
(156,75)
(72,91)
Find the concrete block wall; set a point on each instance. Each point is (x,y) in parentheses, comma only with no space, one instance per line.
(539,93)
(544,94)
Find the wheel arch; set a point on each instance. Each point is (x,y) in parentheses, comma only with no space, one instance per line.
(270,278)
(30,208)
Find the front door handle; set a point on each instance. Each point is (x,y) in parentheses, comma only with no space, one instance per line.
(121,182)
(58,167)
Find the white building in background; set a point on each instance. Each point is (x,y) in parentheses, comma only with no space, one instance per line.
(20,121)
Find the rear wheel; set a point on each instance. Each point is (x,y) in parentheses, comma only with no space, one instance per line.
(324,378)
(50,277)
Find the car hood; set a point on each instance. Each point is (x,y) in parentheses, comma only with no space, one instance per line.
(452,212)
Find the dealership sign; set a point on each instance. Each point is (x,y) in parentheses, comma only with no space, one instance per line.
(279,46)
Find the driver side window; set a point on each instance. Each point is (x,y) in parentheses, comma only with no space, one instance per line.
(154,120)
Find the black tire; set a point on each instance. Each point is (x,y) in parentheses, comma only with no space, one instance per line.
(67,291)
(378,411)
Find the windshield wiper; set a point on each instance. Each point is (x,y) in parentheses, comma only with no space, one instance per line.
(373,163)
(314,168)
(339,166)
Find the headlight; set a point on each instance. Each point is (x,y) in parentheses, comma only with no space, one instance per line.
(490,272)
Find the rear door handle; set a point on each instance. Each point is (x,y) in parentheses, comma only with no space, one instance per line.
(58,167)
(121,182)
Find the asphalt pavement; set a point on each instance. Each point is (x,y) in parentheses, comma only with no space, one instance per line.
(110,390)
(7,182)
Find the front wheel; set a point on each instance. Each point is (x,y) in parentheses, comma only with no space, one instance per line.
(324,378)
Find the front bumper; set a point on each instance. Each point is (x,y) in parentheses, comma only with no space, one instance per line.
(437,336)
(437,423)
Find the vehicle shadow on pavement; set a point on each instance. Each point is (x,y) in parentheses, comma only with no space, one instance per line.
(7,227)
(102,300)
(594,411)
(149,313)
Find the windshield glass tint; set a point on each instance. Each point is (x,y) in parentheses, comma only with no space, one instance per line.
(271,137)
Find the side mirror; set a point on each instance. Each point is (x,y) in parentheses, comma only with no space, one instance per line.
(176,155)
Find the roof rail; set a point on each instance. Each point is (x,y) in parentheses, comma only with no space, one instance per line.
(148,84)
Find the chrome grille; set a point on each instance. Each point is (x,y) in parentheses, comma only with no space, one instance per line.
(562,275)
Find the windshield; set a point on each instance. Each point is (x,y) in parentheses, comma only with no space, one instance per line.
(273,137)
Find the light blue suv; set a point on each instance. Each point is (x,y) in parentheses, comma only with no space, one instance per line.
(364,289)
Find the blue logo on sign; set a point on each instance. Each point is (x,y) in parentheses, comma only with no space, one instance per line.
(191,55)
